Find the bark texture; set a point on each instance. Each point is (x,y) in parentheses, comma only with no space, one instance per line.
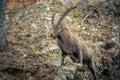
(3,39)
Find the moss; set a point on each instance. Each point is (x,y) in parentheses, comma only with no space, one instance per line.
(30,51)
(46,54)
(73,14)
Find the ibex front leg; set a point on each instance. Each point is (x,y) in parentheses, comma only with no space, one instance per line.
(63,55)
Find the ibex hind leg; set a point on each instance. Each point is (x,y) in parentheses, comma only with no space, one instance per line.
(79,57)
(91,67)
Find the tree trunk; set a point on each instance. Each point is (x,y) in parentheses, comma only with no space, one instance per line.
(3,39)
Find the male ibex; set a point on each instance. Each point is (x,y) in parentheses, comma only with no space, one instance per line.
(70,44)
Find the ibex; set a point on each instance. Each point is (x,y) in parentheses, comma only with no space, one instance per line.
(70,44)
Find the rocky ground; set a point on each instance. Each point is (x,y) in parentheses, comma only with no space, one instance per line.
(33,55)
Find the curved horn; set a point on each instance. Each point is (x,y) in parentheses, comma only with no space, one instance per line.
(64,14)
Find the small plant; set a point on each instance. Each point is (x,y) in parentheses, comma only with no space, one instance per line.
(73,14)
(30,51)
(46,54)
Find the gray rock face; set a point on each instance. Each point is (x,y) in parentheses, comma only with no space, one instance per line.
(67,3)
(49,47)
(30,39)
(72,72)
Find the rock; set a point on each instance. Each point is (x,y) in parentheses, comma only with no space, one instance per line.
(115,30)
(48,8)
(19,51)
(30,39)
(108,8)
(68,19)
(52,47)
(16,53)
(72,72)
(48,20)
(34,27)
(67,3)
(94,30)
(7,18)
(60,75)
(56,63)
(80,67)
(83,3)
(69,72)
(22,25)
(100,44)
(43,44)
(110,44)
(49,47)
